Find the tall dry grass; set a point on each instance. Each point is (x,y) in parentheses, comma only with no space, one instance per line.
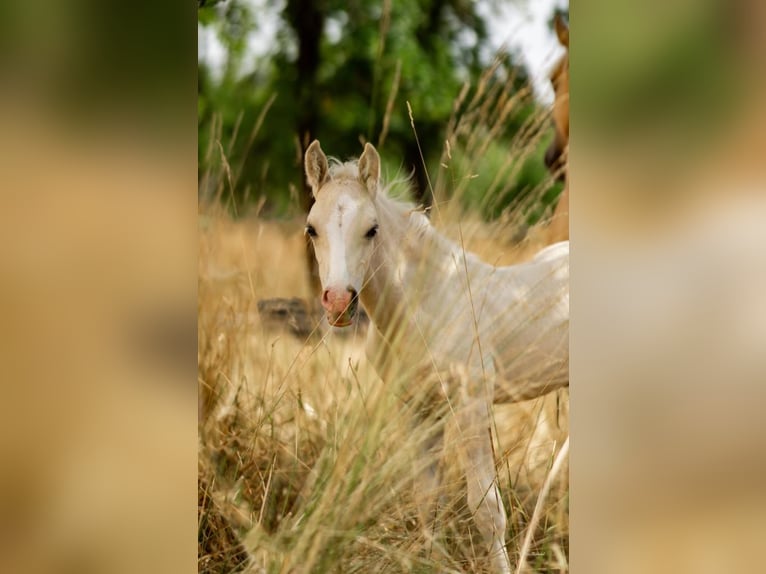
(307,459)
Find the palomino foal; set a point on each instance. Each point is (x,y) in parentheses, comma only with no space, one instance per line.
(492,334)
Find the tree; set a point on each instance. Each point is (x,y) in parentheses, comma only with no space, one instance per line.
(332,73)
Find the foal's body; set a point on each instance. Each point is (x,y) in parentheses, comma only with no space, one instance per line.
(509,324)
(489,334)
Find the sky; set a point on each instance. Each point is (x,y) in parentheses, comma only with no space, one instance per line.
(520,25)
(523,27)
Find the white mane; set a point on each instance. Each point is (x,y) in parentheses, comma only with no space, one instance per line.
(340,170)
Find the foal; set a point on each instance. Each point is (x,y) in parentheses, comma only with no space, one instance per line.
(491,334)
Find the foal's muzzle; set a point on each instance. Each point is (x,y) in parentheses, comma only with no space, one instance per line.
(340,305)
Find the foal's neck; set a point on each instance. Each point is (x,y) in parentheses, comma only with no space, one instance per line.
(402,245)
(383,292)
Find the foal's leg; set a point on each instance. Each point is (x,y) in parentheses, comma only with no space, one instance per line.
(430,403)
(559,225)
(483,494)
(428,472)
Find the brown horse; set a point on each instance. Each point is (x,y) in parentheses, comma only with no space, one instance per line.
(557,155)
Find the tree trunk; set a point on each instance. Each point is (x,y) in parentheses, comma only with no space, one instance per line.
(428,132)
(307,20)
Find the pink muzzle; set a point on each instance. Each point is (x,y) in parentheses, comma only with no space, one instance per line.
(340,304)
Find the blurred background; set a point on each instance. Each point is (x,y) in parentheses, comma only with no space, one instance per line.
(101,103)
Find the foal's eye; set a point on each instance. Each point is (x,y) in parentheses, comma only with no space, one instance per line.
(372,232)
(310,231)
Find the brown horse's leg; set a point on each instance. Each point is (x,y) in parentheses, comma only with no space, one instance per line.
(559,226)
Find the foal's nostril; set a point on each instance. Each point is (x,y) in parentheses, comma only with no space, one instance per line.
(326,297)
(351,307)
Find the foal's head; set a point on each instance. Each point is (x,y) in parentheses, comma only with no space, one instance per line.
(554,157)
(342,225)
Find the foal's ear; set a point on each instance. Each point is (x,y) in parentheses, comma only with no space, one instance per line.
(315,162)
(369,168)
(562,29)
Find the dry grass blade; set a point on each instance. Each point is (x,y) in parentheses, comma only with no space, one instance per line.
(526,545)
(390,103)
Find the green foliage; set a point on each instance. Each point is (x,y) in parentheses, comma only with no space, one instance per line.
(415,49)
(518,190)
